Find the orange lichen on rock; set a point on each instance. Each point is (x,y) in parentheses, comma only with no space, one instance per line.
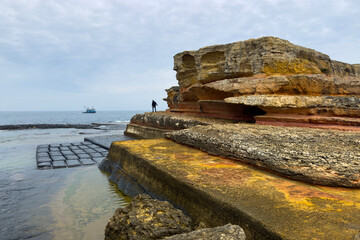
(216,191)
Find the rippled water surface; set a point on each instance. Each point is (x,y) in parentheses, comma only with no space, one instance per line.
(69,203)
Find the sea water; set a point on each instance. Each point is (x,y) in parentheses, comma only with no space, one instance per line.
(68,203)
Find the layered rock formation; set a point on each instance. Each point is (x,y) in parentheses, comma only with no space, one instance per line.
(247,81)
(155,124)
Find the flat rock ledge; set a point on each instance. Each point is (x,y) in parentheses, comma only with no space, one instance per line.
(324,157)
(152,125)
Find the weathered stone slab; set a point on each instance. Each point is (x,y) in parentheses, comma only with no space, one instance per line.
(326,157)
(67,152)
(53,154)
(73,163)
(218,191)
(58,158)
(43,159)
(89,150)
(78,151)
(83,155)
(59,164)
(71,156)
(43,154)
(87,161)
(95,154)
(64,149)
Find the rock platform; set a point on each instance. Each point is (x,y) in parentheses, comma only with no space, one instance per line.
(325,157)
(62,155)
(217,191)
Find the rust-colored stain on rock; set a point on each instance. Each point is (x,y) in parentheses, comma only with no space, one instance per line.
(292,209)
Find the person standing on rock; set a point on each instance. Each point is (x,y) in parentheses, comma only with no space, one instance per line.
(154,104)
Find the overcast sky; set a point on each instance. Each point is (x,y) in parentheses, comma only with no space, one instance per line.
(118,54)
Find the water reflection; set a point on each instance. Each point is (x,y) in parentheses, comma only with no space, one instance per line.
(71,203)
(83,206)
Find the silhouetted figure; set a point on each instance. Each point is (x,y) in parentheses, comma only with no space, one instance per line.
(154,104)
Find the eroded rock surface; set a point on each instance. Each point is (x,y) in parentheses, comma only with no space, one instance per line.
(212,77)
(155,124)
(227,232)
(326,157)
(147,218)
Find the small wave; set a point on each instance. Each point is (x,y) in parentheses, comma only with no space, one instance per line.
(119,121)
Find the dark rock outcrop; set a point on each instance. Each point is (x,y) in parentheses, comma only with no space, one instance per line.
(227,232)
(147,218)
(325,157)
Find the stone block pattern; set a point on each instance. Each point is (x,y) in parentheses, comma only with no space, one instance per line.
(51,156)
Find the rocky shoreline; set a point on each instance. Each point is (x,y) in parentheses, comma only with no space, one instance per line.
(242,144)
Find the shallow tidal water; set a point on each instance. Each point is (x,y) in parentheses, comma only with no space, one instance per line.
(68,203)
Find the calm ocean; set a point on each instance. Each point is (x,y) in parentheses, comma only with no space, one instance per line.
(69,203)
(64,117)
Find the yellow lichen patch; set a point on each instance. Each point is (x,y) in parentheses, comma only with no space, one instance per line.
(296,66)
(291,209)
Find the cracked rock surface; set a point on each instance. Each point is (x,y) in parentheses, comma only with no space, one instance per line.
(325,157)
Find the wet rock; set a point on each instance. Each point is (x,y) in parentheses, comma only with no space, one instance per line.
(325,157)
(147,218)
(227,232)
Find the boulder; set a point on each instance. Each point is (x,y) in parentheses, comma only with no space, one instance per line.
(147,218)
(227,232)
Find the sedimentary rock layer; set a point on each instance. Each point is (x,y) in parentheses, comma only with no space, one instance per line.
(155,124)
(266,55)
(217,191)
(326,157)
(267,66)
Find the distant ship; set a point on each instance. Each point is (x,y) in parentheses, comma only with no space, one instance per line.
(90,110)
